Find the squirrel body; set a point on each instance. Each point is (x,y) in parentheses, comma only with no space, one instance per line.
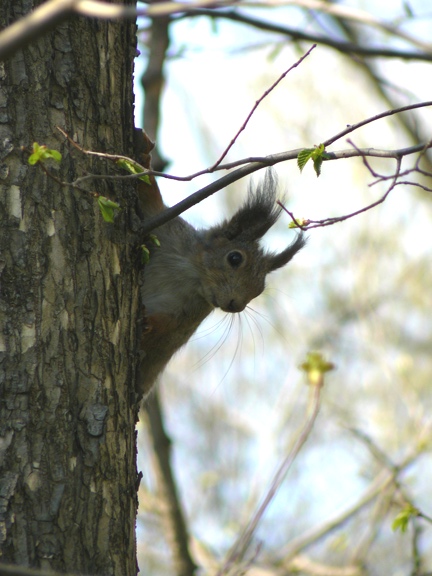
(193,272)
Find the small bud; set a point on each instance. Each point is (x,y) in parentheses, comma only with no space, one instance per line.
(315,367)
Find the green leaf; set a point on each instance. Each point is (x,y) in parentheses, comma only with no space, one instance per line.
(35,157)
(55,155)
(107,208)
(303,157)
(275,51)
(317,155)
(133,168)
(145,256)
(317,162)
(154,239)
(300,222)
(402,519)
(41,153)
(214,25)
(408,10)
(145,251)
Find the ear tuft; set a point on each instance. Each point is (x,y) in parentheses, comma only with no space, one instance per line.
(275,261)
(257,214)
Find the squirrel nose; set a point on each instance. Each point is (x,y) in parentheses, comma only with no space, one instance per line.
(234,306)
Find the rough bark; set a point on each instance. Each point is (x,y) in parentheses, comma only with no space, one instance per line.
(68,303)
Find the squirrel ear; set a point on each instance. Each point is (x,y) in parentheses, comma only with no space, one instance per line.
(257,214)
(275,261)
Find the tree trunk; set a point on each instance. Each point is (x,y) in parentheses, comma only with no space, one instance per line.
(68,304)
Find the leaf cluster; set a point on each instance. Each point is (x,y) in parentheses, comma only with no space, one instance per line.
(316,154)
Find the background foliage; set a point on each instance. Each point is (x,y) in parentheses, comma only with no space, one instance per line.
(234,398)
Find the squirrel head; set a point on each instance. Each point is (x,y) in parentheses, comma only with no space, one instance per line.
(233,266)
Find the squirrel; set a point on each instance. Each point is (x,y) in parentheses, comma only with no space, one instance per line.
(193,272)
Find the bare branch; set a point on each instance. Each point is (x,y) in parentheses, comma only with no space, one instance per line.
(105,10)
(242,544)
(52,12)
(113,157)
(305,565)
(257,103)
(331,221)
(352,127)
(296,34)
(175,525)
(253,165)
(382,481)
(345,13)
(153,81)
(33,25)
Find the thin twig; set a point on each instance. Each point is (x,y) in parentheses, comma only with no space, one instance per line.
(382,481)
(374,449)
(335,220)
(373,529)
(415,184)
(302,225)
(63,183)
(257,103)
(113,157)
(352,127)
(242,544)
(416,555)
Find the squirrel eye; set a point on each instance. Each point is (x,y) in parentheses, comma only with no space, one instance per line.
(235,258)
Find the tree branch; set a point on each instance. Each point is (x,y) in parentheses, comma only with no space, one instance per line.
(350,13)
(252,164)
(382,481)
(153,81)
(238,551)
(175,524)
(248,166)
(352,127)
(52,12)
(296,34)
(257,163)
(385,90)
